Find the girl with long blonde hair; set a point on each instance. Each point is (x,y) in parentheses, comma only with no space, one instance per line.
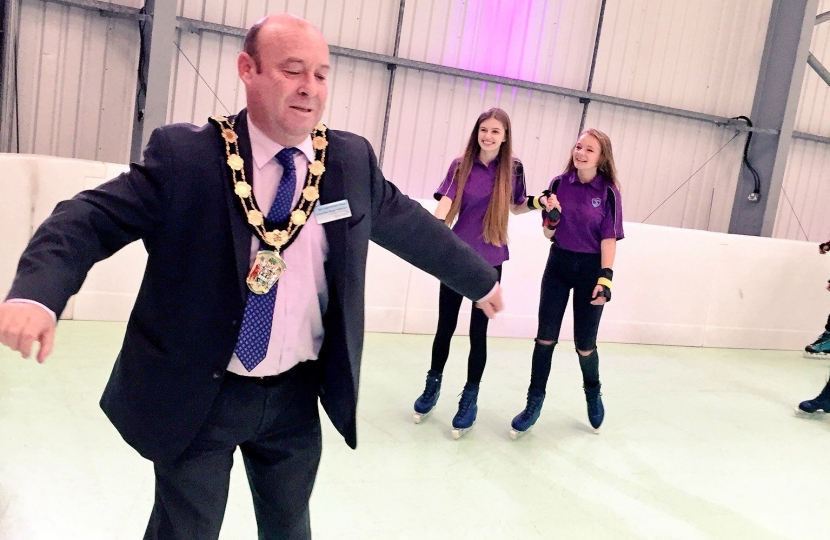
(480,189)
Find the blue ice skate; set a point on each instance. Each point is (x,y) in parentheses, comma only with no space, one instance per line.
(596,411)
(523,421)
(465,418)
(820,347)
(426,401)
(820,404)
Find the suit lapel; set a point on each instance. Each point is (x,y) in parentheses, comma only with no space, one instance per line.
(333,190)
(241,233)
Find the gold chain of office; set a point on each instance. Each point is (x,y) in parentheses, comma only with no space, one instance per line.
(273,235)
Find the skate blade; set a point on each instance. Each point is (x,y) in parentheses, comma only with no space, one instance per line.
(596,431)
(516,434)
(814,355)
(804,414)
(418,417)
(457,433)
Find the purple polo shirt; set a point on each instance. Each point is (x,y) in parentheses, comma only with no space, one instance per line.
(477,191)
(591,213)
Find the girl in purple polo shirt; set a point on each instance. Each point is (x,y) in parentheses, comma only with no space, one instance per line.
(584,244)
(480,188)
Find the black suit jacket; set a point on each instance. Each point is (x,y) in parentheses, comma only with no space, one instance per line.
(184,325)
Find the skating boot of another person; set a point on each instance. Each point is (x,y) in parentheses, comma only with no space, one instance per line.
(523,421)
(426,401)
(596,411)
(819,348)
(465,418)
(820,404)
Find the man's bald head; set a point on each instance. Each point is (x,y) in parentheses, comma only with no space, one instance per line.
(285,68)
(274,23)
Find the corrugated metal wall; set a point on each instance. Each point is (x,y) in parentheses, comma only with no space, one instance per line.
(702,57)
(802,208)
(76,81)
(79,78)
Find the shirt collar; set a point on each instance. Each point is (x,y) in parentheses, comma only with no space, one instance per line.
(596,183)
(477,161)
(264,148)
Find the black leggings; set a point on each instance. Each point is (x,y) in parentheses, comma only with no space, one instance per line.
(566,270)
(449,303)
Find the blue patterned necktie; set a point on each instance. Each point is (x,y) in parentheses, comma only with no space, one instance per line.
(255,332)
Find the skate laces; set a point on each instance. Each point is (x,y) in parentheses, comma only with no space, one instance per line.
(466,401)
(533,405)
(432,386)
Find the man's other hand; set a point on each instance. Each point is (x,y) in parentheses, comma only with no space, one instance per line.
(21,324)
(492,303)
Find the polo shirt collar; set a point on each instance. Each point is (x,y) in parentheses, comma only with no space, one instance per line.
(597,183)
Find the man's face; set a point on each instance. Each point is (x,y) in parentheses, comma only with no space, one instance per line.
(287,96)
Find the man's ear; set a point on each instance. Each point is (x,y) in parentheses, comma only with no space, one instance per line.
(245,66)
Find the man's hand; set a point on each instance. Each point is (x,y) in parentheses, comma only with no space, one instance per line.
(21,324)
(493,303)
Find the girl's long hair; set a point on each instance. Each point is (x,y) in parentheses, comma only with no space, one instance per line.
(495,220)
(606,165)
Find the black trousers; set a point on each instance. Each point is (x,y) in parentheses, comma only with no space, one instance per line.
(449,304)
(275,423)
(566,270)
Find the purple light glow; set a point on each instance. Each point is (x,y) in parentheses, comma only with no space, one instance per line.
(492,36)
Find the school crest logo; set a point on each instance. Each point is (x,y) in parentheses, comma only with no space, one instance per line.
(595,201)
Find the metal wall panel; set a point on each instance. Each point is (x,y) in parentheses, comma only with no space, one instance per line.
(701,55)
(814,106)
(549,42)
(76,82)
(802,209)
(432,117)
(686,168)
(368,25)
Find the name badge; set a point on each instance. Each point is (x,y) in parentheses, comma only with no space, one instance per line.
(332,211)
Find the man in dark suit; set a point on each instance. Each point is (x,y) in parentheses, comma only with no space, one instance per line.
(207,365)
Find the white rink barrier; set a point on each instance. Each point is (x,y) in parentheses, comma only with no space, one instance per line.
(671,286)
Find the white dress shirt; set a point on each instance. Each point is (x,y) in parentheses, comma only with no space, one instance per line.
(302,293)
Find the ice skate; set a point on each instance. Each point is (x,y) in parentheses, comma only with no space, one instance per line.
(426,401)
(596,411)
(820,348)
(525,420)
(465,418)
(821,404)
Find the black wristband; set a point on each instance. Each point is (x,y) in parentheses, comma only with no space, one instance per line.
(533,203)
(605,292)
(554,214)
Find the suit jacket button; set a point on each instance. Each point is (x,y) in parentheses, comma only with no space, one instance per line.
(234,323)
(217,374)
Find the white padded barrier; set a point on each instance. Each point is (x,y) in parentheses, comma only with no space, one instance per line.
(671,286)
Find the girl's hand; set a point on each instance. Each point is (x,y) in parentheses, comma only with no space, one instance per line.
(551,202)
(598,299)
